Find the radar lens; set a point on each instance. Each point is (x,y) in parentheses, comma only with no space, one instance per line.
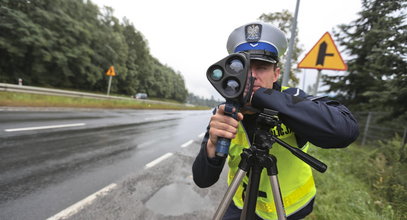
(236,65)
(216,74)
(231,87)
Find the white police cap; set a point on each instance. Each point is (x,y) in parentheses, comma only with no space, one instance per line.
(263,41)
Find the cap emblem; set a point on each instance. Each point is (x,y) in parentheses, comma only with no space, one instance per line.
(253,32)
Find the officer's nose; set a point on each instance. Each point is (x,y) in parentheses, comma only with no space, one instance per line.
(253,71)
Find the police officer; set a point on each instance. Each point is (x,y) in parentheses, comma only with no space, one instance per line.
(306,121)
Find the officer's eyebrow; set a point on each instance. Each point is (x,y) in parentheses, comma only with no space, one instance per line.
(263,63)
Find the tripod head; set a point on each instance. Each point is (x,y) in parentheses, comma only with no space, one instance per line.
(266,120)
(263,139)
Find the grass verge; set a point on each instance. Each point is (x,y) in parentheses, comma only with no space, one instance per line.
(16,99)
(361,183)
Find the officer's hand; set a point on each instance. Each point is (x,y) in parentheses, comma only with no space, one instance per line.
(221,125)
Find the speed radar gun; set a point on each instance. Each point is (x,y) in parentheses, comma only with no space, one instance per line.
(232,78)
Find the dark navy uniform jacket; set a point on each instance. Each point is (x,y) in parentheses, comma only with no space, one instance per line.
(323,122)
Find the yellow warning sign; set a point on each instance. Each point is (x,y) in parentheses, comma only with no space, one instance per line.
(110,71)
(324,55)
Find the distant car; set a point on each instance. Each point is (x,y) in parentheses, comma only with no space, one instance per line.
(141,96)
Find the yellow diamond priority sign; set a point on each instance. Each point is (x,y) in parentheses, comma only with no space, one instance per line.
(324,55)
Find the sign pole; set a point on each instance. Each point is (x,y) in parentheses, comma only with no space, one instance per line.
(108,87)
(110,72)
(303,80)
(287,67)
(317,83)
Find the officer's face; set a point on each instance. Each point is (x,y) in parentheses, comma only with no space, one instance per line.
(265,73)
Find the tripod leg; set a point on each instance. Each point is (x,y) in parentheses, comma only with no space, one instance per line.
(249,207)
(227,198)
(278,201)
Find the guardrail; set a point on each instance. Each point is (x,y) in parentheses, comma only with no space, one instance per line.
(60,92)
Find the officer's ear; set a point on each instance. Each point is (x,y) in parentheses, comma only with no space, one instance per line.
(276,74)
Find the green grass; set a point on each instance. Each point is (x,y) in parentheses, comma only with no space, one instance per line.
(16,99)
(358,184)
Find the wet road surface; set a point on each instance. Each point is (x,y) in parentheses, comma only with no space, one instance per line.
(164,191)
(51,159)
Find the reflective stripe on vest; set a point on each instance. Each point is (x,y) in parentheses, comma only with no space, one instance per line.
(295,177)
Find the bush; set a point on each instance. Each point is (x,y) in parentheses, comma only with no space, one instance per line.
(390,179)
(362,182)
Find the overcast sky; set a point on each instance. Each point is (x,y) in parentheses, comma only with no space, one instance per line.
(190,35)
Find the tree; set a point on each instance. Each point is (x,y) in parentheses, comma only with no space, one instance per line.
(376,43)
(53,39)
(71,44)
(137,57)
(283,20)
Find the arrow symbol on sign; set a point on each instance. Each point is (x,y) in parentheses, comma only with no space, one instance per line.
(322,53)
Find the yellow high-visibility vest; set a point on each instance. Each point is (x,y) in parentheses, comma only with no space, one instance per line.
(295,176)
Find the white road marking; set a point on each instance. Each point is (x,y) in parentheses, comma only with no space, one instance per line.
(44,127)
(201,135)
(73,209)
(158,160)
(187,143)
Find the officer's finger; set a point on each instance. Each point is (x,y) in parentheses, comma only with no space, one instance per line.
(223,126)
(213,139)
(239,116)
(222,133)
(223,119)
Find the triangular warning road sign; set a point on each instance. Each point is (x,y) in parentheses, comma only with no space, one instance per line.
(324,55)
(110,71)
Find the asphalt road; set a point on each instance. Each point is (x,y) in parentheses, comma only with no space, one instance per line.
(53,158)
(164,191)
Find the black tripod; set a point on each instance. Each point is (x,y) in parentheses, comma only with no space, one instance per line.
(254,159)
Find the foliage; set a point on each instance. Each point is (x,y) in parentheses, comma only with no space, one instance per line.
(376,45)
(362,182)
(389,181)
(283,20)
(201,101)
(71,44)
